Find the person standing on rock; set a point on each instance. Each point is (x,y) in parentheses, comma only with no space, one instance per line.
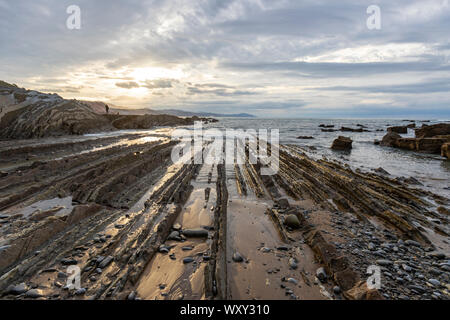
(107,108)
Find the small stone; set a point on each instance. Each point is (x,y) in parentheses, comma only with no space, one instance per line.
(337,290)
(406,268)
(132,295)
(435,282)
(321,274)
(384,262)
(186,248)
(80,291)
(435,272)
(34,293)
(163,249)
(292,280)
(18,289)
(417,288)
(68,262)
(237,257)
(412,243)
(195,233)
(174,235)
(292,221)
(293,263)
(106,262)
(176,227)
(188,260)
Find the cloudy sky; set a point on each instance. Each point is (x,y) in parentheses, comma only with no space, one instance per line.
(271,58)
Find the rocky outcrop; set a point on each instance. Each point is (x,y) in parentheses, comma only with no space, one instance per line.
(390,139)
(429,139)
(346,129)
(433,130)
(31,114)
(342,143)
(445,150)
(399,129)
(146,121)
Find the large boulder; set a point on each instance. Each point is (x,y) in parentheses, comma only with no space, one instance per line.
(342,143)
(399,129)
(406,143)
(390,139)
(445,150)
(433,130)
(430,145)
(346,129)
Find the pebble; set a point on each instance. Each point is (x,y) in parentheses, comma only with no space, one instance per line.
(188,260)
(174,235)
(412,243)
(187,248)
(80,291)
(237,257)
(406,268)
(337,290)
(68,262)
(105,262)
(17,289)
(34,293)
(132,295)
(384,262)
(292,221)
(293,263)
(435,271)
(321,274)
(163,249)
(435,282)
(195,233)
(417,288)
(292,280)
(176,227)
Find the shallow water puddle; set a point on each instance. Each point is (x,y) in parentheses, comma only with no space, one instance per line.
(265,272)
(167,276)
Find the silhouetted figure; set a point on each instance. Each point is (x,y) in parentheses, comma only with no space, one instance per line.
(107,108)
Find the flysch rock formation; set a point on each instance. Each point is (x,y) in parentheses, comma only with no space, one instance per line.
(140,227)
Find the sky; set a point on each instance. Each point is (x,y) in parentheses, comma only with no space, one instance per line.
(265,57)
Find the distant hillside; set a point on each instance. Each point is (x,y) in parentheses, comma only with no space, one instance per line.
(182,113)
(99,107)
